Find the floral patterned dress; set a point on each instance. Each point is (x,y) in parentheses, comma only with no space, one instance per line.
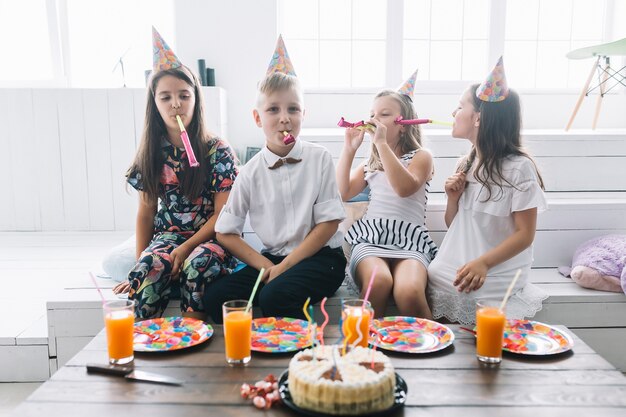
(177,219)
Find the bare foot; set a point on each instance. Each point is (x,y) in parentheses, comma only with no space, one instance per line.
(122,288)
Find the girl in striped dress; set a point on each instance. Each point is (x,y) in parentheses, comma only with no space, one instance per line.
(391,237)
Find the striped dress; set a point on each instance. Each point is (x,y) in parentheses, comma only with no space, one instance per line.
(393,226)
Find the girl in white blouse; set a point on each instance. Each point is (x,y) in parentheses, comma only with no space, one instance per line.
(493,200)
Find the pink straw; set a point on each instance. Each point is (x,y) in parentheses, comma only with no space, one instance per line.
(369,286)
(93,279)
(326,318)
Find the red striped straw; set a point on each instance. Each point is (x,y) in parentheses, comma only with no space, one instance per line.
(93,279)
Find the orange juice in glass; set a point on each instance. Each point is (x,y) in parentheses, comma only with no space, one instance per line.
(119,320)
(490,321)
(352,311)
(237,332)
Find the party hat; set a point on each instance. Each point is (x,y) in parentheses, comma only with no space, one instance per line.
(163,57)
(280,61)
(408,86)
(494,88)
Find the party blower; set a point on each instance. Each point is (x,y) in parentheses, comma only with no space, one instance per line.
(288,138)
(361,125)
(193,162)
(400,121)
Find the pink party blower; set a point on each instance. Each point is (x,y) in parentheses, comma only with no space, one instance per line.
(288,138)
(193,162)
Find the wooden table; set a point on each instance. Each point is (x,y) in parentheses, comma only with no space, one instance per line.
(447,383)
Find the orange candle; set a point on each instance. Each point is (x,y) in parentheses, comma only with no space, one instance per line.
(237,332)
(490,321)
(352,312)
(119,320)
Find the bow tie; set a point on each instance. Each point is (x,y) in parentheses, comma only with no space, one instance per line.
(283,161)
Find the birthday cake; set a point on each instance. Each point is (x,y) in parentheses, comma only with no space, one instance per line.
(361,381)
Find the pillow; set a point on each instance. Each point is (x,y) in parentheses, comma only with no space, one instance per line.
(354,211)
(599,264)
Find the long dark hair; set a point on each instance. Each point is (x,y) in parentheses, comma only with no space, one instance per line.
(409,141)
(149,158)
(499,136)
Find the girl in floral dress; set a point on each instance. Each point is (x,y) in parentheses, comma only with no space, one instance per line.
(178,204)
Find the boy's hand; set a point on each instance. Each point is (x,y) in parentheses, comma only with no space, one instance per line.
(455,185)
(471,276)
(354,138)
(273,272)
(380,134)
(177,258)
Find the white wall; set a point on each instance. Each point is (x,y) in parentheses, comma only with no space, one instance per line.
(237,38)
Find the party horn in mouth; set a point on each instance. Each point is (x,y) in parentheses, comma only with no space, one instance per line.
(193,162)
(400,121)
(288,138)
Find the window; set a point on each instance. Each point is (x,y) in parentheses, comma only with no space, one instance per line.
(100,49)
(369,43)
(30,58)
(336,43)
(445,39)
(539,33)
(79,43)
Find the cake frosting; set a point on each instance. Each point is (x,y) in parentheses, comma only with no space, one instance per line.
(363,380)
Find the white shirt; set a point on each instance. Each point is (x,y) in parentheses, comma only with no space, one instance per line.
(285,203)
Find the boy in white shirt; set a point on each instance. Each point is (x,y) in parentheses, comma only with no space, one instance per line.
(290,194)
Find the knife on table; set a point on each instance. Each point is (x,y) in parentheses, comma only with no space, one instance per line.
(131,374)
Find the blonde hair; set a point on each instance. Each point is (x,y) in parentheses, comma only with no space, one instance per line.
(277,81)
(409,141)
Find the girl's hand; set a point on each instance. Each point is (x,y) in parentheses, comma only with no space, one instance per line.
(177,258)
(380,135)
(353,138)
(471,276)
(455,185)
(122,288)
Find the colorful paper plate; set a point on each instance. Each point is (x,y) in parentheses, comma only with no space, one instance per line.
(170,333)
(280,334)
(528,337)
(410,335)
(399,399)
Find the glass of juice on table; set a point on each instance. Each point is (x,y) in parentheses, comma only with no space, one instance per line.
(351,311)
(119,320)
(490,320)
(237,332)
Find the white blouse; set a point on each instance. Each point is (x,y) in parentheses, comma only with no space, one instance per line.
(482,223)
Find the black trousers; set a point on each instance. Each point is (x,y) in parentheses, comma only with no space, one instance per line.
(317,277)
